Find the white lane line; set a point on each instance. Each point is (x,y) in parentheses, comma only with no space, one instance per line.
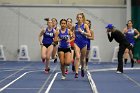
(22,88)
(42,87)
(50,85)
(12,82)
(14,73)
(134,81)
(1,89)
(7,71)
(92,83)
(112,69)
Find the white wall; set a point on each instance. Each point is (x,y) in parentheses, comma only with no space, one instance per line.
(85,2)
(21,25)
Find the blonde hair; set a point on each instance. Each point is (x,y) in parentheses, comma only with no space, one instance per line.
(83,16)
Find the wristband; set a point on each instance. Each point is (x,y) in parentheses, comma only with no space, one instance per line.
(82,32)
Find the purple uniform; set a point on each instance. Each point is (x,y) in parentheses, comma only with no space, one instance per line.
(80,39)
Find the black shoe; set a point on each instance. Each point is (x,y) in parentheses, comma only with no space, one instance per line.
(55,60)
(82,72)
(47,70)
(76,75)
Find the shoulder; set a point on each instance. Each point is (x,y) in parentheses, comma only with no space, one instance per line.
(125,30)
(85,25)
(43,30)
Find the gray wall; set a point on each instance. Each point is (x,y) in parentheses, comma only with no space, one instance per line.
(21,25)
(91,2)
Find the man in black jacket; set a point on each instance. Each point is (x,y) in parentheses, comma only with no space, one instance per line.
(123,44)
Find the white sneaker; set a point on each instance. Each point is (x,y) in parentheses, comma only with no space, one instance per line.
(80,67)
(118,72)
(63,77)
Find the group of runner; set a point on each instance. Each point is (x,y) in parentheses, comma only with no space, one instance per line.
(71,43)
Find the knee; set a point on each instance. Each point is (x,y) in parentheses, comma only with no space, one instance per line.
(82,59)
(44,56)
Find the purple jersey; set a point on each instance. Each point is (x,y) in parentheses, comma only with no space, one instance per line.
(48,36)
(63,39)
(130,36)
(80,39)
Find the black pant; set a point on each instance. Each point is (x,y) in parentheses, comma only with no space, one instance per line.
(122,48)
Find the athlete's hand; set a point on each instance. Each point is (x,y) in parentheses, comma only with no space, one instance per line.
(80,30)
(107,31)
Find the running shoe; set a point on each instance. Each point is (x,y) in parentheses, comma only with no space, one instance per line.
(82,72)
(47,70)
(76,75)
(118,72)
(66,72)
(55,60)
(79,66)
(63,77)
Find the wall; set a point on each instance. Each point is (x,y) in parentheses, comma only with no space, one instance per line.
(21,25)
(85,2)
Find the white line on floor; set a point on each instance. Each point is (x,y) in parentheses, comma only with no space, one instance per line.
(12,82)
(50,85)
(3,88)
(15,73)
(134,81)
(42,87)
(112,69)
(92,83)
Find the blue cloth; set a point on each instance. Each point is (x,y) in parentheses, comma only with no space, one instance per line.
(48,36)
(80,39)
(64,37)
(130,36)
